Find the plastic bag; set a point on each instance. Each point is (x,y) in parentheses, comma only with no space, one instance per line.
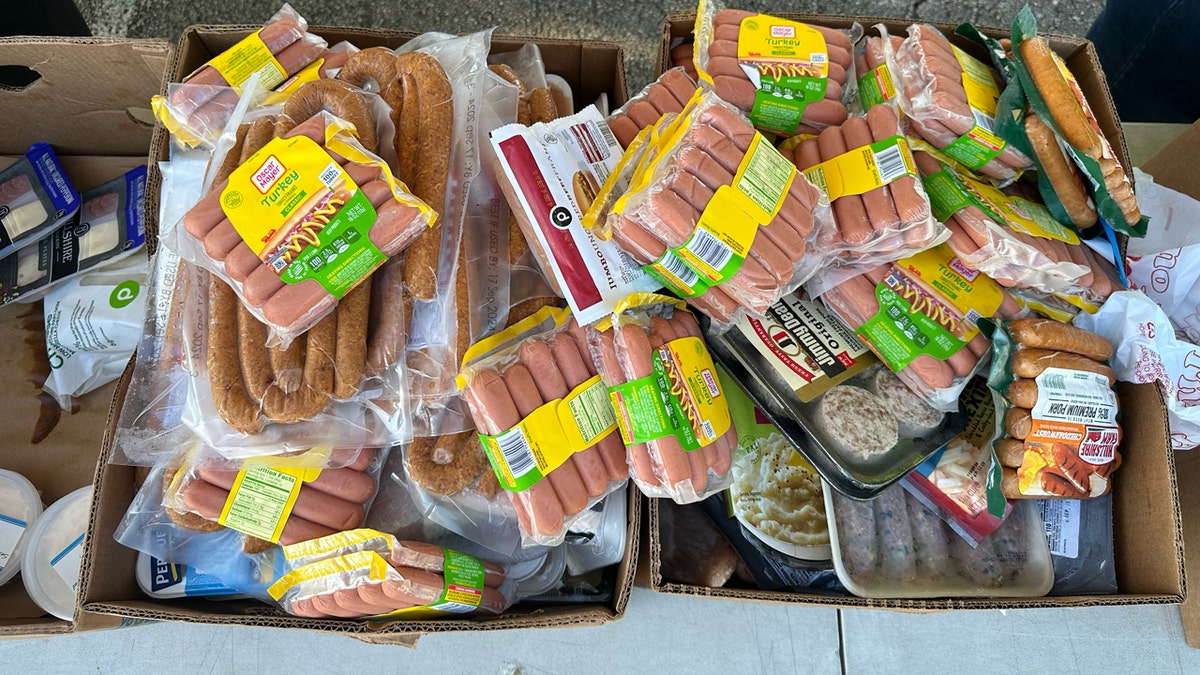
(602,542)
(1148,349)
(950,98)
(1161,265)
(109,226)
(725,246)
(673,418)
(919,316)
(534,387)
(1080,535)
(197,109)
(800,89)
(93,324)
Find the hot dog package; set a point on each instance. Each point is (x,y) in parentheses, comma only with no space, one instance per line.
(950,98)
(788,77)
(919,315)
(894,547)
(295,229)
(276,499)
(108,226)
(668,94)
(875,81)
(866,169)
(1071,149)
(365,573)
(1057,413)
(36,197)
(1012,239)
(196,110)
(551,174)
(545,422)
(670,405)
(717,215)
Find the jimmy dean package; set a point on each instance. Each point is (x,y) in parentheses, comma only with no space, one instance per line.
(551,173)
(35,197)
(811,350)
(109,225)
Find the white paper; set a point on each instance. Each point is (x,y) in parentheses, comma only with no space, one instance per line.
(1147,350)
(11,530)
(66,563)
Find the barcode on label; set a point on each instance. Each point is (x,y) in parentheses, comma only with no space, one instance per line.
(679,269)
(517,454)
(890,163)
(609,138)
(983,120)
(1055,381)
(712,251)
(330,174)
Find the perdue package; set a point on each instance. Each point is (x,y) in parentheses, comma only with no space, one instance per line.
(551,173)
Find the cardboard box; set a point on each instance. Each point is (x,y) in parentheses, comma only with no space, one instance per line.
(107,581)
(89,104)
(1147,528)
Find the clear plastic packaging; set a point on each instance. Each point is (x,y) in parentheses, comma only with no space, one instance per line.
(110,225)
(724,246)
(52,550)
(865,169)
(676,426)
(919,315)
(800,89)
(893,547)
(197,109)
(288,280)
(670,93)
(950,98)
(36,198)
(20,507)
(603,544)
(535,387)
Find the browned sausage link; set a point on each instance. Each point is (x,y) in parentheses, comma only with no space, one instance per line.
(351,351)
(312,397)
(230,398)
(541,105)
(386,329)
(334,96)
(436,124)
(252,353)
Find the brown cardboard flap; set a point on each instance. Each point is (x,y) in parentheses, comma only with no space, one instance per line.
(1188,467)
(1175,165)
(81,101)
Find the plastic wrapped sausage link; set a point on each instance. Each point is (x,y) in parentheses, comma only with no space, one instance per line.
(365,573)
(545,421)
(894,547)
(875,81)
(950,98)
(670,93)
(300,223)
(196,109)
(718,216)
(1012,239)
(1059,434)
(670,405)
(789,77)
(866,169)
(919,316)
(270,502)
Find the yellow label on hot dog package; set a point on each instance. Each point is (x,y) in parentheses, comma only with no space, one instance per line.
(284,91)
(247,57)
(861,170)
(788,63)
(262,498)
(980,144)
(973,295)
(548,436)
(301,214)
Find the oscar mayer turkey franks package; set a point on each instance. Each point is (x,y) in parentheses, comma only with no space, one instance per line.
(551,173)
